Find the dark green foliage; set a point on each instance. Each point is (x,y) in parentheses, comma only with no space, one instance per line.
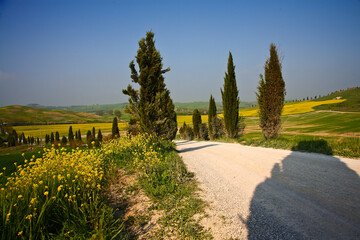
(38,141)
(230,100)
(57,136)
(133,127)
(204,131)
(186,132)
(211,113)
(52,138)
(117,113)
(115,129)
(218,129)
(99,136)
(151,105)
(93,132)
(1,142)
(271,95)
(79,135)
(32,140)
(63,140)
(47,139)
(196,118)
(14,133)
(89,138)
(28,139)
(11,141)
(24,138)
(71,134)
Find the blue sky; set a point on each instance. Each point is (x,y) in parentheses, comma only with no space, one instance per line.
(62,52)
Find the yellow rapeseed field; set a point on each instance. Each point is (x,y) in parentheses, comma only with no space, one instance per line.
(188,119)
(63,129)
(294,108)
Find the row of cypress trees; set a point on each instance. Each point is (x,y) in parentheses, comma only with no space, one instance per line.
(270,97)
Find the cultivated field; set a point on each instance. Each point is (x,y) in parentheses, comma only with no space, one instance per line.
(63,129)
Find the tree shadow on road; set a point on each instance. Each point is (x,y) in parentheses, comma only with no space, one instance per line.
(308,196)
(195,148)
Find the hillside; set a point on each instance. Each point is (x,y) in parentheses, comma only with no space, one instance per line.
(352,103)
(18,115)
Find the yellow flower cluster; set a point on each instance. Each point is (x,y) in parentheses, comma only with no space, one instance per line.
(140,151)
(59,176)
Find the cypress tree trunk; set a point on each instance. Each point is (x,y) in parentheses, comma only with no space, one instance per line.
(230,100)
(271,95)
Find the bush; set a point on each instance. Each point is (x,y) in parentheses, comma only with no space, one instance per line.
(217,127)
(241,125)
(204,131)
(186,132)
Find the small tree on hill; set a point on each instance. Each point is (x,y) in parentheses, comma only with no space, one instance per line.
(52,138)
(57,136)
(196,118)
(271,95)
(93,132)
(115,129)
(71,134)
(99,136)
(230,100)
(63,141)
(211,114)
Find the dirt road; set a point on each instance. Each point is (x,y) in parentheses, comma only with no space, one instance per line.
(259,193)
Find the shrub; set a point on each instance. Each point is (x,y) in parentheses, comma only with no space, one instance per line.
(204,131)
(217,125)
(186,132)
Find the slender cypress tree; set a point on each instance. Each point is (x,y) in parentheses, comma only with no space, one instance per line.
(14,133)
(230,100)
(211,114)
(271,95)
(151,105)
(63,140)
(71,134)
(57,136)
(79,135)
(52,138)
(93,132)
(115,129)
(196,118)
(99,136)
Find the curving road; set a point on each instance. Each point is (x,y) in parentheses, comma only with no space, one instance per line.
(262,193)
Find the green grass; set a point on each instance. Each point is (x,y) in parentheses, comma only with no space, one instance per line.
(323,123)
(352,103)
(163,176)
(344,146)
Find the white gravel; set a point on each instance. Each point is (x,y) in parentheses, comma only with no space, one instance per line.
(262,193)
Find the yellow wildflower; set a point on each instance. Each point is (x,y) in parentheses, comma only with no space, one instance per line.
(46,193)
(20,233)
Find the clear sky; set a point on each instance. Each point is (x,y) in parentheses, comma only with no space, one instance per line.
(70,52)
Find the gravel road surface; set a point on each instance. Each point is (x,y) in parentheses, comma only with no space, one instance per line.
(262,193)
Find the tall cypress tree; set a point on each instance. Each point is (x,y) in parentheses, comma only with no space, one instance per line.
(211,113)
(57,136)
(71,134)
(230,100)
(79,135)
(99,136)
(52,139)
(93,132)
(151,105)
(271,95)
(115,129)
(196,118)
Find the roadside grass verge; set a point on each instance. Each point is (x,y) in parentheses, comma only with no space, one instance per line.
(162,174)
(341,146)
